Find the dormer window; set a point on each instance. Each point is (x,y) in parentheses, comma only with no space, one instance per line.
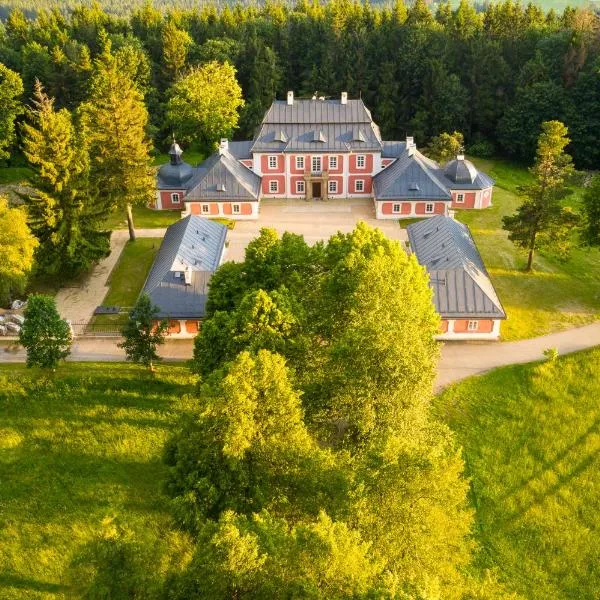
(413,186)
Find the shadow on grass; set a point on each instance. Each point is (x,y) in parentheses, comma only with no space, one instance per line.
(12,580)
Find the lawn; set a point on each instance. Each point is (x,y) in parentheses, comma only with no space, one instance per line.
(74,450)
(128,277)
(531,439)
(144,218)
(557,294)
(15,175)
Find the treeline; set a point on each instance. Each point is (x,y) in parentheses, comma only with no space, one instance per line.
(495,75)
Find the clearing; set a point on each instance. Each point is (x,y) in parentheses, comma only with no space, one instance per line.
(531,439)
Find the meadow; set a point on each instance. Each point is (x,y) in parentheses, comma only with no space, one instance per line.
(559,293)
(78,449)
(531,440)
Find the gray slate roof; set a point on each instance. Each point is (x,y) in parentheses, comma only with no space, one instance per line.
(222,177)
(410,177)
(462,174)
(240,150)
(317,126)
(393,149)
(194,244)
(458,278)
(176,174)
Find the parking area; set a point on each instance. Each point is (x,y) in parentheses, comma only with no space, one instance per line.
(315,220)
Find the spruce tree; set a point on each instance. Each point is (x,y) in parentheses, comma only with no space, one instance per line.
(115,120)
(63,214)
(542,221)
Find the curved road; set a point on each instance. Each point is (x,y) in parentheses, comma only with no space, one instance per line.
(458,360)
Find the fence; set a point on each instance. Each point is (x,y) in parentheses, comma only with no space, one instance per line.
(95,328)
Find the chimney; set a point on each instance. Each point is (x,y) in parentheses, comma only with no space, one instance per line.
(188,276)
(460,157)
(344,99)
(223,145)
(410,145)
(290,98)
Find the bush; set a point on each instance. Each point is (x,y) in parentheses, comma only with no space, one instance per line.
(482,148)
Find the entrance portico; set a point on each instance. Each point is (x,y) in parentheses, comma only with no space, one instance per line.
(316,185)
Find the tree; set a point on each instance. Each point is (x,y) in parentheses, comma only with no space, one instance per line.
(175,45)
(46,337)
(143,333)
(204,105)
(591,211)
(115,121)
(446,146)
(17,245)
(63,214)
(11,90)
(542,221)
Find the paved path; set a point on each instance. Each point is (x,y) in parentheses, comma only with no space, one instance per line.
(77,304)
(463,359)
(458,361)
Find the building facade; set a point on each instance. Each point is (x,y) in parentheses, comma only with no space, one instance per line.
(320,149)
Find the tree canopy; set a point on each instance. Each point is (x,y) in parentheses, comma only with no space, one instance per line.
(11,90)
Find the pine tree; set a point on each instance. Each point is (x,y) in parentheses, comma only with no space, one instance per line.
(591,211)
(542,221)
(143,333)
(46,337)
(115,120)
(63,214)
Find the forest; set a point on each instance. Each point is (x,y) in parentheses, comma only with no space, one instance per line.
(494,75)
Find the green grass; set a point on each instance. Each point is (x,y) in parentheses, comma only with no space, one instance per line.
(15,175)
(558,294)
(144,218)
(531,439)
(128,277)
(75,449)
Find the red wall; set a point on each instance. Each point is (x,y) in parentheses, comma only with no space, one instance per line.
(293,165)
(293,181)
(196,208)
(165,199)
(191,326)
(268,178)
(486,198)
(485,326)
(386,161)
(368,184)
(469,199)
(368,164)
(340,185)
(264,164)
(340,165)
(439,208)
(247,163)
(443,326)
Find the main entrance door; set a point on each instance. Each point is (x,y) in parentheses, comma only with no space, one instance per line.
(316,189)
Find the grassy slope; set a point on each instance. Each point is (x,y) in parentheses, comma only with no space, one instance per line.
(558,294)
(76,450)
(531,437)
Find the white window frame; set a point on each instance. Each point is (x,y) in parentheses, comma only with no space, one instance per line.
(460,198)
(316,164)
(205,209)
(334,189)
(300,184)
(236,209)
(300,163)
(175,198)
(272,161)
(361,161)
(273,186)
(473,326)
(427,205)
(333,162)
(362,186)
(396,208)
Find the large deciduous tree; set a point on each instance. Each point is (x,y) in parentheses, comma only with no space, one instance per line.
(46,337)
(542,220)
(11,90)
(204,104)
(64,215)
(446,146)
(17,245)
(115,120)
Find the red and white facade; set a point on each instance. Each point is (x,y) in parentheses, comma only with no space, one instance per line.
(322,149)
